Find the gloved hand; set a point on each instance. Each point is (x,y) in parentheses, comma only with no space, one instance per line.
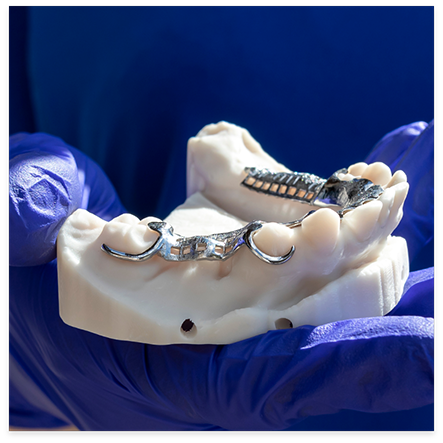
(410,148)
(60,374)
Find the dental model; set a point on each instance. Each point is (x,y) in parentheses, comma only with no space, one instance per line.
(255,247)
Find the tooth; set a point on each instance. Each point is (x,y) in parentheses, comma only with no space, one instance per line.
(387,200)
(321,229)
(396,213)
(127,219)
(357,169)
(378,173)
(274,239)
(213,128)
(362,220)
(398,177)
(127,233)
(345,177)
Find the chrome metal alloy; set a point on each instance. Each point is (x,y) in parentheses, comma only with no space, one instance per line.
(313,190)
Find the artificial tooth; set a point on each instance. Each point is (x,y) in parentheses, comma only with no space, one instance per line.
(213,128)
(274,239)
(387,200)
(362,220)
(378,173)
(346,177)
(127,233)
(127,219)
(321,229)
(357,169)
(398,177)
(401,191)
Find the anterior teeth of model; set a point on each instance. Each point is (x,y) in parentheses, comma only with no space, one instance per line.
(340,269)
(219,154)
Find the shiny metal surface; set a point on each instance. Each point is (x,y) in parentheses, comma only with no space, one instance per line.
(311,189)
(174,247)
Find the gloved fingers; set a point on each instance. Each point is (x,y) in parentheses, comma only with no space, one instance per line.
(272,381)
(417,225)
(418,295)
(411,149)
(45,187)
(43,191)
(99,195)
(393,145)
(267,382)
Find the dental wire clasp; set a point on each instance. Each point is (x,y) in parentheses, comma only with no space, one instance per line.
(174,247)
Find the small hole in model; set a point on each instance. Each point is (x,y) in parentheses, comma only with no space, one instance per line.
(188,327)
(283,323)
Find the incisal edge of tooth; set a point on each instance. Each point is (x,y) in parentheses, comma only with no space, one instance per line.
(362,220)
(398,177)
(321,229)
(274,239)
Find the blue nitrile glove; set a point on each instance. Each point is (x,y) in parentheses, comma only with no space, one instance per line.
(60,374)
(410,148)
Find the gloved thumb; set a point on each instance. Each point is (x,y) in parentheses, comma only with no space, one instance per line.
(44,190)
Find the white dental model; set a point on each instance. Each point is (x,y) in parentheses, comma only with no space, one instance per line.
(341,268)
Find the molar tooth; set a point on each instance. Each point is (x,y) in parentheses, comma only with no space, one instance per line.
(321,229)
(126,233)
(148,235)
(398,177)
(128,219)
(362,220)
(357,169)
(378,173)
(274,239)
(213,128)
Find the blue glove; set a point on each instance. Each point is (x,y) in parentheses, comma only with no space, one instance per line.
(63,375)
(411,149)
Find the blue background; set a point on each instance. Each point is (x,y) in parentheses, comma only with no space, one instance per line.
(316,86)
